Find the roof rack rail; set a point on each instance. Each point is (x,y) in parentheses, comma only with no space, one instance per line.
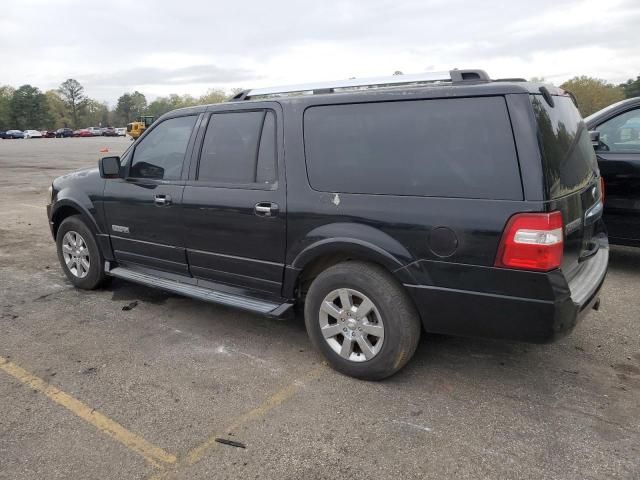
(452,76)
(239,96)
(514,79)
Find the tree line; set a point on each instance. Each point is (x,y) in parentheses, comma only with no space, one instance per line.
(593,94)
(27,107)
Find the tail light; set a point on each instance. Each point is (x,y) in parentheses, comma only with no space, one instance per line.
(532,241)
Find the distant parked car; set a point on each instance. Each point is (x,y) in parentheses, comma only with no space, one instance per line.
(121,131)
(83,132)
(95,131)
(48,133)
(64,132)
(32,134)
(109,132)
(13,134)
(615,134)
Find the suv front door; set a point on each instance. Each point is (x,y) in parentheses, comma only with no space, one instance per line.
(143,209)
(234,210)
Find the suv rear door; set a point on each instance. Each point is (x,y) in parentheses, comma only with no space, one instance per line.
(571,175)
(234,211)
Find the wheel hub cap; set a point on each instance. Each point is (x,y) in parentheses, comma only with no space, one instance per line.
(76,254)
(351,325)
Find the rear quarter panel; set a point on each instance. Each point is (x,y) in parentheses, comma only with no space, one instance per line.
(402,226)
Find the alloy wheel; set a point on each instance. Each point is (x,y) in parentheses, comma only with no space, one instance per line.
(76,254)
(351,325)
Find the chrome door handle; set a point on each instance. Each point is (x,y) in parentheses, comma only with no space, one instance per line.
(162,199)
(266,209)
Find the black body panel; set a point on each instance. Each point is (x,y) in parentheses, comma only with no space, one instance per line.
(141,231)
(621,174)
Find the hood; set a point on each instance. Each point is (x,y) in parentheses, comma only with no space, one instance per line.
(86,181)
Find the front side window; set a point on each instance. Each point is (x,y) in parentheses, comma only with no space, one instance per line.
(239,148)
(161,153)
(621,134)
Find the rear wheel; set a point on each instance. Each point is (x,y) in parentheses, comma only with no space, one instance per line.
(362,320)
(79,254)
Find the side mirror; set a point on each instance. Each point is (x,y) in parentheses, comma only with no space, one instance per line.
(595,139)
(109,167)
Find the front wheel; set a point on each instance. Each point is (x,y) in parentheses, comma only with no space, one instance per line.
(79,254)
(362,320)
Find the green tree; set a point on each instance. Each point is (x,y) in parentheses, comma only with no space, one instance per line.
(162,105)
(213,96)
(131,105)
(29,108)
(159,106)
(58,112)
(94,114)
(631,87)
(6,93)
(73,95)
(592,94)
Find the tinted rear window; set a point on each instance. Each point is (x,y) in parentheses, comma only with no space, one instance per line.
(445,147)
(568,157)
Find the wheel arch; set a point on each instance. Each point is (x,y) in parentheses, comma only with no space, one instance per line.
(66,208)
(320,255)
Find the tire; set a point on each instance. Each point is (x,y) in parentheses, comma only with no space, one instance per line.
(87,249)
(390,307)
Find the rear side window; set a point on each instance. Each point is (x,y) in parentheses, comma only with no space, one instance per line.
(239,148)
(443,148)
(568,157)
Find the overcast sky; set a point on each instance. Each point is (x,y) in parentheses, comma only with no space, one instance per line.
(161,47)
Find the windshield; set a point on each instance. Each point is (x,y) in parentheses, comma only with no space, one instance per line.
(568,157)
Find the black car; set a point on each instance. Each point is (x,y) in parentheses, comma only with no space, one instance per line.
(617,145)
(12,134)
(109,132)
(64,133)
(457,205)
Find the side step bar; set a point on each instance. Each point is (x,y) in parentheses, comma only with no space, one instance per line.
(246,303)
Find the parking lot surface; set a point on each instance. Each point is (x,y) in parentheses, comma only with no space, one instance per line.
(94,391)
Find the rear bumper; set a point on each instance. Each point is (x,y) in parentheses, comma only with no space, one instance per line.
(536,318)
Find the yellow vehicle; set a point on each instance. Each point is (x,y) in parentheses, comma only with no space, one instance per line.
(137,128)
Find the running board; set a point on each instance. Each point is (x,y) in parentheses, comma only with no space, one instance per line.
(246,303)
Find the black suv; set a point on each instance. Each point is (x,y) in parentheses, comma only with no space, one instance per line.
(459,205)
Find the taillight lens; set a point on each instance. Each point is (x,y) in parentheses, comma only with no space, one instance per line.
(532,241)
